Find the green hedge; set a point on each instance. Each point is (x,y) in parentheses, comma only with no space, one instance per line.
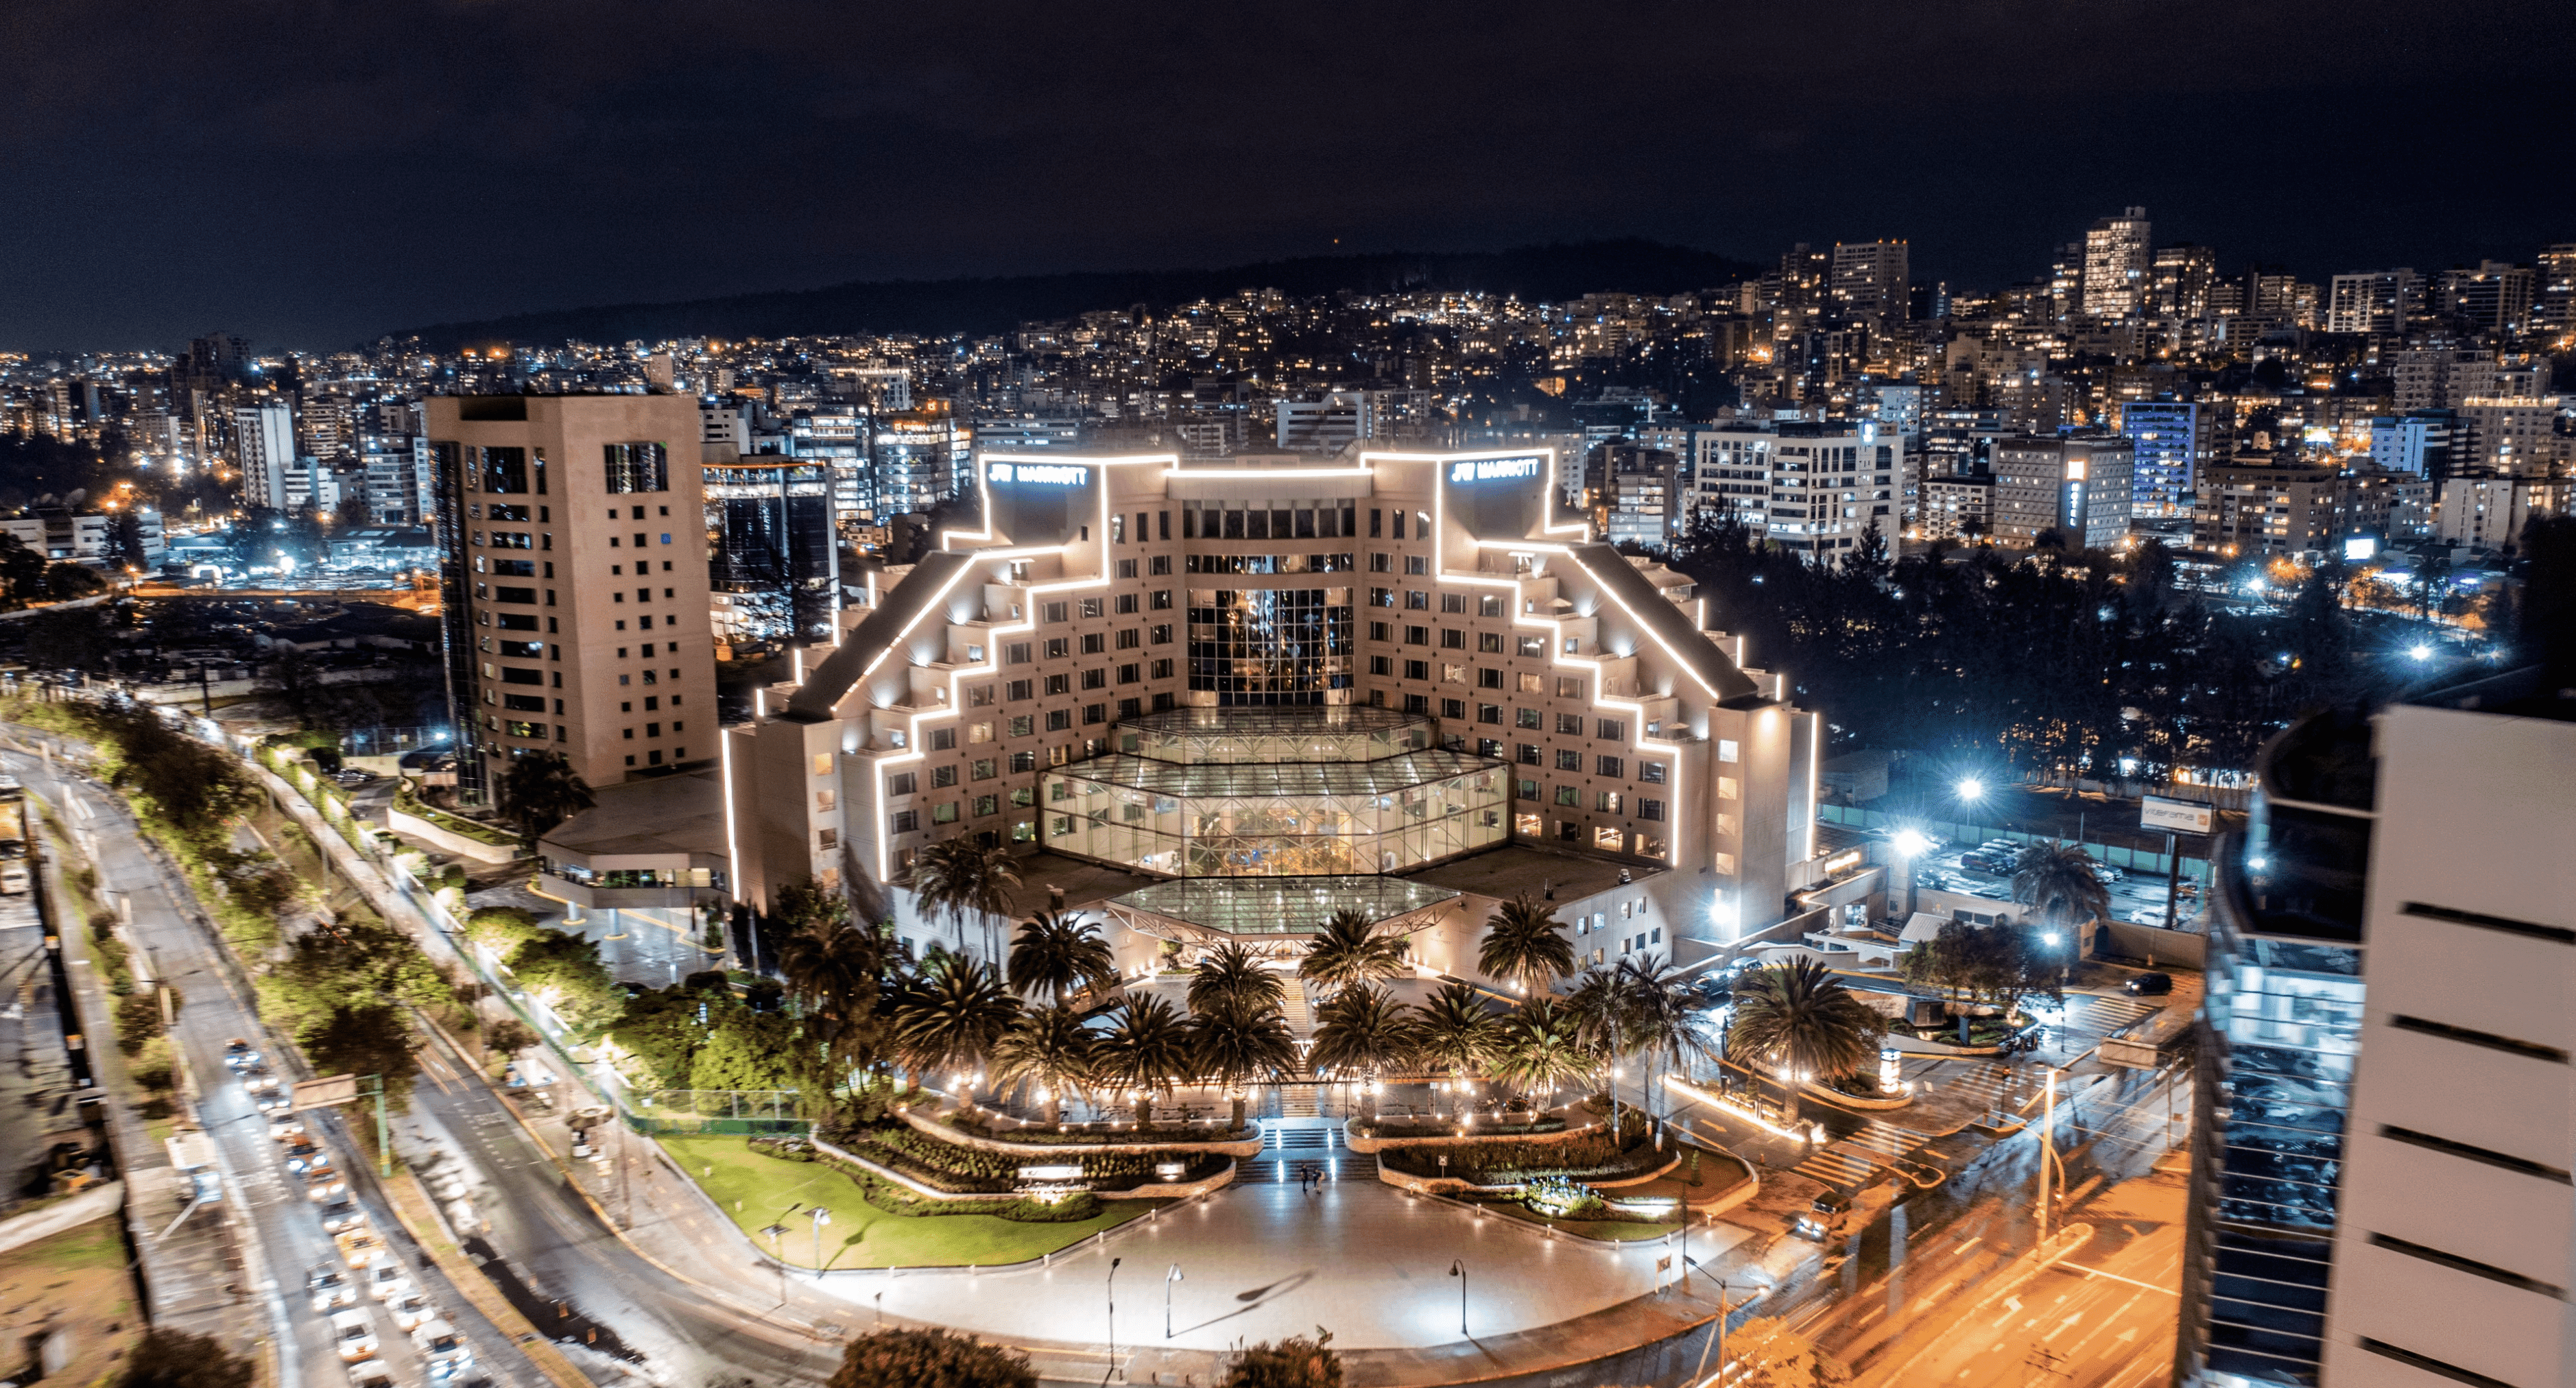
(1591,1156)
(1080,1205)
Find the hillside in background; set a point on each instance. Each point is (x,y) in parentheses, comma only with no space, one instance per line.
(996,305)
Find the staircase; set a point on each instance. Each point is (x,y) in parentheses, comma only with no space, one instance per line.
(1290,1144)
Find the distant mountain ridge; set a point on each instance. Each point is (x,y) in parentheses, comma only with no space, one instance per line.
(986,306)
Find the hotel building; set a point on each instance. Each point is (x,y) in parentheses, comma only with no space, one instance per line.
(1224,700)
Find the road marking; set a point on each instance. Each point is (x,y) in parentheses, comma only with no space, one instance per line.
(2097,1272)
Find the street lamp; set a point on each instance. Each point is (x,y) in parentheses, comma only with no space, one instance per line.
(821,1217)
(775,1233)
(1910,846)
(1168,1279)
(1458,1269)
(1113,1313)
(1970,788)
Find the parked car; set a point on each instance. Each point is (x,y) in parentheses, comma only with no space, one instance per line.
(354,1332)
(329,1289)
(2148,915)
(2148,984)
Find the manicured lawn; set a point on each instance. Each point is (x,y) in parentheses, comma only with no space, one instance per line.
(771,1191)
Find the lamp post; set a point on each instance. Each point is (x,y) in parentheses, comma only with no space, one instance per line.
(1458,1269)
(1910,846)
(821,1217)
(777,1232)
(1113,1313)
(1168,1279)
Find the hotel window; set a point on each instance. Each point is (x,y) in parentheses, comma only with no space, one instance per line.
(1723,864)
(1417,669)
(988,804)
(1526,825)
(1569,725)
(1416,564)
(1417,600)
(1569,795)
(1525,790)
(1453,674)
(1129,638)
(943,739)
(1057,648)
(1526,718)
(1051,612)
(1567,759)
(1726,788)
(1058,685)
(981,695)
(979,732)
(1609,838)
(1651,772)
(1526,753)
(984,769)
(1091,607)
(1454,603)
(1023,725)
(1722,824)
(1607,802)
(1381,665)
(1453,709)
(1160,635)
(942,777)
(1569,686)
(822,763)
(1417,636)
(1018,690)
(1650,809)
(1016,653)
(1610,729)
(1610,766)
(1094,643)
(1531,646)
(1489,679)
(1490,713)
(1095,679)
(903,822)
(1726,749)
(1487,605)
(1452,639)
(900,783)
(1023,762)
(1489,643)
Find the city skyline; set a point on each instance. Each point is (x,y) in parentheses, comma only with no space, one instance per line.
(270,175)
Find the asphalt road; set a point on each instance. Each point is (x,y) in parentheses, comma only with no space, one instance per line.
(285,1227)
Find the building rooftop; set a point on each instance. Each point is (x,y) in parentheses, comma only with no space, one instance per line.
(1517,868)
(1280,905)
(657,817)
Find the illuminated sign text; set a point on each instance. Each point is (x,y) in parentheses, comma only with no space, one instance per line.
(1492,469)
(1049,474)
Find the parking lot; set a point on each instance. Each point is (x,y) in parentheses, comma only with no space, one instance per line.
(2134,897)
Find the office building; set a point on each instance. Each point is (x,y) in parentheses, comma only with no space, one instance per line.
(2117,257)
(572,535)
(1870,282)
(2168,445)
(1249,695)
(2374,301)
(2262,508)
(1324,425)
(774,565)
(264,445)
(2379,1190)
(2418,442)
(916,459)
(2079,486)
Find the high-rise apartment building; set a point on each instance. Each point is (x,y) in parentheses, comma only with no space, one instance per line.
(2374,301)
(2418,442)
(1257,694)
(2553,308)
(2117,257)
(1870,282)
(2514,436)
(2169,444)
(1809,486)
(2258,507)
(2380,1190)
(572,537)
(2179,283)
(2495,297)
(2079,486)
(264,445)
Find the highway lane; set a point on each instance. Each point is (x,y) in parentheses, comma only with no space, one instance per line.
(287,1241)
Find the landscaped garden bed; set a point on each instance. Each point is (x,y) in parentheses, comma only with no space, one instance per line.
(874,1228)
(961,1170)
(1505,1161)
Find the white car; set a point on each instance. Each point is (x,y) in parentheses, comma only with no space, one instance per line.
(330,1289)
(353,1333)
(386,1280)
(411,1310)
(2154,915)
(370,1373)
(444,1349)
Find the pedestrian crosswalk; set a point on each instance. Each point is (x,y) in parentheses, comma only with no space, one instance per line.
(1856,1160)
(1988,1083)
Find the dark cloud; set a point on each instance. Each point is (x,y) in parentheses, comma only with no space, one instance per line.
(309,172)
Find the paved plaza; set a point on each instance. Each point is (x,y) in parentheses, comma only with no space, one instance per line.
(1359,1258)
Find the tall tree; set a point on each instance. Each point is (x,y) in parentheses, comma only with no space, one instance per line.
(1664,1017)
(1232,977)
(2059,880)
(1458,1033)
(838,972)
(1149,1050)
(167,1358)
(1540,1049)
(1050,1049)
(959,879)
(929,1359)
(1525,946)
(1349,953)
(1801,1022)
(1060,954)
(1240,1043)
(1364,1031)
(539,791)
(948,1022)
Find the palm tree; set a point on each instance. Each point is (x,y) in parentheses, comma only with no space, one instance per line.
(1364,1029)
(1801,1022)
(1347,954)
(1059,954)
(951,1018)
(2058,879)
(957,878)
(1663,1016)
(1047,1047)
(1238,1044)
(1524,946)
(541,791)
(1539,1048)
(1599,1006)
(1148,1051)
(836,972)
(1457,1033)
(1233,978)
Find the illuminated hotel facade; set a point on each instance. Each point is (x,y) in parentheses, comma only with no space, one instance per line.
(1261,691)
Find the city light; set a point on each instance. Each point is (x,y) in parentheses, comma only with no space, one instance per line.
(1970,788)
(1911,843)
(2420,652)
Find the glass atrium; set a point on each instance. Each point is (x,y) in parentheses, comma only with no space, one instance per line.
(1277,791)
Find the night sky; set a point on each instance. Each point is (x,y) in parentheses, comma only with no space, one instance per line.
(312,174)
